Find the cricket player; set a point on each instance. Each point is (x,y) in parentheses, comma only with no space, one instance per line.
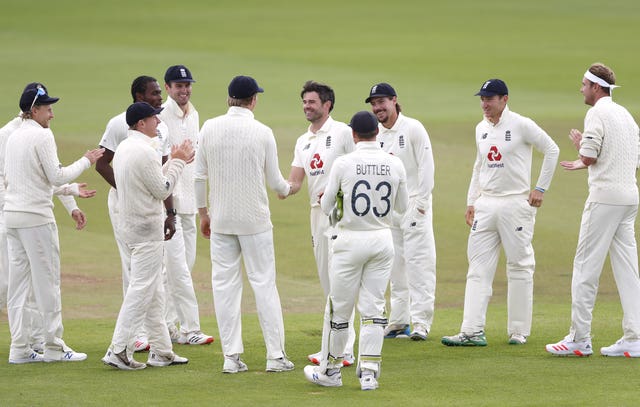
(143,183)
(501,209)
(236,155)
(32,235)
(413,278)
(182,120)
(366,188)
(609,148)
(143,89)
(314,154)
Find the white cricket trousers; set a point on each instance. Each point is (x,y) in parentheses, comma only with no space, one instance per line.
(143,301)
(34,266)
(506,221)
(179,258)
(361,265)
(226,278)
(125,260)
(321,232)
(31,309)
(4,262)
(413,276)
(606,228)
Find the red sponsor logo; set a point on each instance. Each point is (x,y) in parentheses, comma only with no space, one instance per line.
(316,162)
(494,154)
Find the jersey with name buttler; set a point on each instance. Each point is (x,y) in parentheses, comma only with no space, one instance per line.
(370,181)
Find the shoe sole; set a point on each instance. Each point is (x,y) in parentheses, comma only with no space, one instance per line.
(24,361)
(278,370)
(418,337)
(467,344)
(163,364)
(122,367)
(229,371)
(575,353)
(207,342)
(623,354)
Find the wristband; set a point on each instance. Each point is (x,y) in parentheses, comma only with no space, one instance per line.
(539,189)
(172,212)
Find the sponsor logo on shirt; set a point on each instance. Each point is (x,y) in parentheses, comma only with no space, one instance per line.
(328,143)
(507,135)
(306,147)
(494,156)
(401,141)
(316,165)
(484,135)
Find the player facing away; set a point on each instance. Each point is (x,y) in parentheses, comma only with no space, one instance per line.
(236,155)
(366,189)
(501,210)
(609,148)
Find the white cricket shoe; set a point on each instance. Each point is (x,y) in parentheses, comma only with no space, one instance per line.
(368,381)
(419,332)
(517,339)
(158,360)
(279,365)
(66,355)
(315,375)
(30,356)
(233,364)
(121,361)
(628,349)
(315,358)
(568,347)
(195,338)
(141,344)
(348,360)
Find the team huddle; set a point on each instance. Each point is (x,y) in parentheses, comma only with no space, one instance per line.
(370,185)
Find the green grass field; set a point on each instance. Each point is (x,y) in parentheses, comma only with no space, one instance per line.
(436,55)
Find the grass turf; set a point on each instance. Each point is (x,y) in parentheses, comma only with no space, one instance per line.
(436,55)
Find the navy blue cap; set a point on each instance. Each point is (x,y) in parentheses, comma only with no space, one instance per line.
(178,73)
(364,122)
(381,90)
(242,87)
(35,94)
(139,111)
(493,87)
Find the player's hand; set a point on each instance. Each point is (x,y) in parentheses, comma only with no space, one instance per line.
(535,198)
(85,193)
(94,155)
(576,138)
(469,215)
(169,227)
(79,218)
(205,226)
(184,151)
(573,165)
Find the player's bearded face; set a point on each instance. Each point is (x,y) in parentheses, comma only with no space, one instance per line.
(313,108)
(384,108)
